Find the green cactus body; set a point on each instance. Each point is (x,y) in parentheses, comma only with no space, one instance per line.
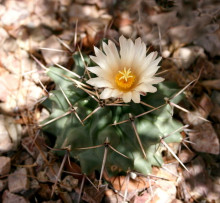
(98,128)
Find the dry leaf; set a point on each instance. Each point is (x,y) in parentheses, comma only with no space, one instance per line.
(111,196)
(215,114)
(162,192)
(56,54)
(198,183)
(119,183)
(204,68)
(211,84)
(93,195)
(211,43)
(205,139)
(204,107)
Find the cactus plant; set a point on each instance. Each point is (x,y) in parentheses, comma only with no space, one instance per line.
(126,135)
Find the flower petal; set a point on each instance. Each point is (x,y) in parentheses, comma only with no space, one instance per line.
(127,97)
(99,53)
(100,72)
(150,80)
(153,66)
(106,93)
(156,80)
(155,63)
(138,55)
(112,54)
(145,88)
(145,63)
(140,49)
(149,58)
(126,52)
(100,61)
(96,70)
(99,82)
(136,97)
(116,93)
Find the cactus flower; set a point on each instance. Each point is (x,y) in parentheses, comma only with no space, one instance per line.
(126,74)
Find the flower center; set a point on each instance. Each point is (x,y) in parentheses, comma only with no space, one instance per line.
(125,79)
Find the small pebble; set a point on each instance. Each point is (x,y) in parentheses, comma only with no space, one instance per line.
(9,197)
(5,165)
(18,181)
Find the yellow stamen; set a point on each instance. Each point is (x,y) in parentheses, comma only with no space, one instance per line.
(125,79)
(125,74)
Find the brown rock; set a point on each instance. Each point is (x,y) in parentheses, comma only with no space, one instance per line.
(215,114)
(168,171)
(186,56)
(42,177)
(186,156)
(53,201)
(18,181)
(176,201)
(9,82)
(34,184)
(167,188)
(45,191)
(5,165)
(3,184)
(65,196)
(69,183)
(10,133)
(8,197)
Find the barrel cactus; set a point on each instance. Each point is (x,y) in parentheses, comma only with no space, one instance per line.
(108,112)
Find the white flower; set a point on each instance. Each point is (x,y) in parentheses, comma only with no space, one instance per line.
(127,75)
